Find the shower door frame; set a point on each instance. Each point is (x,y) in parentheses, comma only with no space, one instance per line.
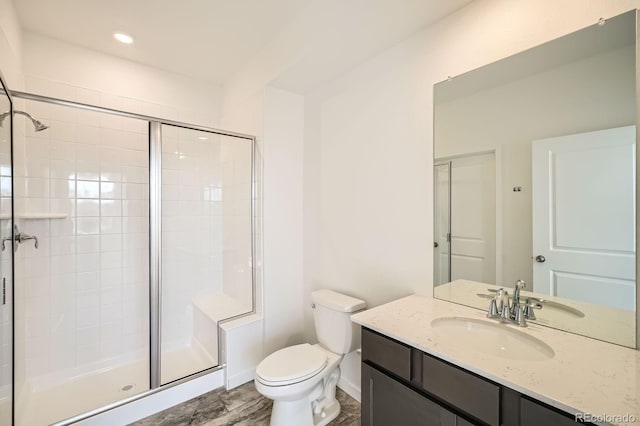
(155,246)
(10,96)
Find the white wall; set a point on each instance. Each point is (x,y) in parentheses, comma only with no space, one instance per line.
(282,140)
(367,188)
(10,46)
(131,86)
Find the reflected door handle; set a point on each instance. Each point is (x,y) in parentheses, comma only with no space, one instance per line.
(435,244)
(540,258)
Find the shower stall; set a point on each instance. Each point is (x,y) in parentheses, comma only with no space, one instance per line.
(126,241)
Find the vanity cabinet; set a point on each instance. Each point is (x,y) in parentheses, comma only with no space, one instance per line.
(404,386)
(390,402)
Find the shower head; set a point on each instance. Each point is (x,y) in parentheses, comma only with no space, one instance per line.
(38,126)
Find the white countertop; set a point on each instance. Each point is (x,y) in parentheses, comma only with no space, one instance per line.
(585,375)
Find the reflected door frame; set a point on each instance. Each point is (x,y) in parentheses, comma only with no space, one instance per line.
(442,222)
(470,217)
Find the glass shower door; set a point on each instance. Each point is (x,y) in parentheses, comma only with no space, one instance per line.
(82,295)
(6,259)
(206,245)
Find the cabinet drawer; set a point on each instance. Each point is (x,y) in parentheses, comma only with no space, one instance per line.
(471,394)
(386,353)
(535,414)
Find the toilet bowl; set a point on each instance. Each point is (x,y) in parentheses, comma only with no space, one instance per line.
(301,380)
(296,378)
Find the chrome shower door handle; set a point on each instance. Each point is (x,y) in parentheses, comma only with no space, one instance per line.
(18,238)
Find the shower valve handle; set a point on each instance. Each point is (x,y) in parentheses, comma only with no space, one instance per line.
(4,240)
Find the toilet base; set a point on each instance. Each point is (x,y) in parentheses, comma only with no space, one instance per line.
(330,412)
(317,408)
(291,413)
(327,407)
(299,413)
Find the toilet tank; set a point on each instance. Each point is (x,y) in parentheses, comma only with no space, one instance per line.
(332,316)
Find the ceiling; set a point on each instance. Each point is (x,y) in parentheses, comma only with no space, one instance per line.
(212,39)
(206,39)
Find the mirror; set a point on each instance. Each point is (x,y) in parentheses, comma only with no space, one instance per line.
(535,180)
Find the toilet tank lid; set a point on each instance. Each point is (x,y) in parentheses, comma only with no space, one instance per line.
(337,301)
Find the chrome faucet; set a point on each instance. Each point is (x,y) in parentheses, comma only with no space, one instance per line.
(511,311)
(515,304)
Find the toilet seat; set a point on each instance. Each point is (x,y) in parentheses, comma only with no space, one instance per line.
(291,365)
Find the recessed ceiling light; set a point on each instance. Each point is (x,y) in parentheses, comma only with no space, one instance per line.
(123,38)
(203,138)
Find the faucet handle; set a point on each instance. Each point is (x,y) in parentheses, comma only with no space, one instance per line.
(528,307)
(521,284)
(493,309)
(520,317)
(505,313)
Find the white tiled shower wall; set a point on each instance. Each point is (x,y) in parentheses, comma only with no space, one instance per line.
(85,293)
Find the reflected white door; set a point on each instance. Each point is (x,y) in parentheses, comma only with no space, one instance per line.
(584,216)
(473,218)
(441,224)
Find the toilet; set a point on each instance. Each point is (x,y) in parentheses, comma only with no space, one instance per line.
(301,379)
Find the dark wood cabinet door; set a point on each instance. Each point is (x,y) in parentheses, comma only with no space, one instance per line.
(536,414)
(386,402)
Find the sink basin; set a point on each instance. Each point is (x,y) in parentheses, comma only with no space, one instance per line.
(492,338)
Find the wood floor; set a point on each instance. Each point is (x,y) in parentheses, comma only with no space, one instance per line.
(242,406)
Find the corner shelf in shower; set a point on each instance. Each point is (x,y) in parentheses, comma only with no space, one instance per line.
(36,216)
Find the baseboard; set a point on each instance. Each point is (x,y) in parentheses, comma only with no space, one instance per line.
(241,378)
(350,389)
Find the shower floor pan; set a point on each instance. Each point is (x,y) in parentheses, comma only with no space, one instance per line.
(55,403)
